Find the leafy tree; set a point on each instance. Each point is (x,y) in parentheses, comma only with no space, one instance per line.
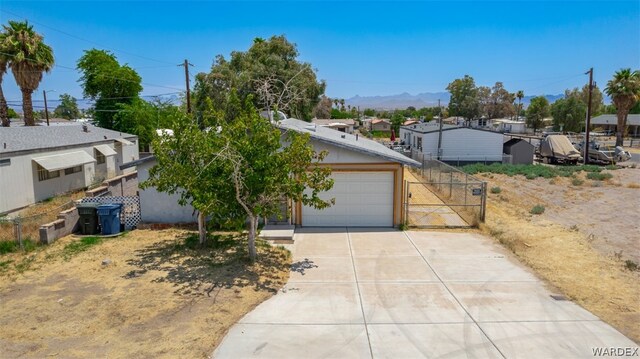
(30,57)
(11,113)
(337,114)
(464,98)
(323,108)
(624,90)
(568,114)
(238,168)
(268,67)
(68,107)
(500,104)
(108,83)
(537,111)
(396,121)
(582,95)
(369,112)
(142,118)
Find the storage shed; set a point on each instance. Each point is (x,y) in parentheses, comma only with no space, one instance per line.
(520,150)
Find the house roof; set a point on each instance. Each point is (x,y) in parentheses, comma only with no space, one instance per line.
(446,127)
(515,141)
(632,120)
(143,159)
(334,122)
(33,138)
(347,141)
(373,122)
(409,122)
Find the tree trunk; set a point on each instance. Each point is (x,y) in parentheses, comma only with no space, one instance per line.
(4,111)
(202,228)
(620,127)
(27,107)
(253,227)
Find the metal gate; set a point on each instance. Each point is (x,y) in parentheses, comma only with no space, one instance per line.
(441,196)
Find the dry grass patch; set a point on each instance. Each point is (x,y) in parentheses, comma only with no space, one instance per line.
(157,294)
(566,259)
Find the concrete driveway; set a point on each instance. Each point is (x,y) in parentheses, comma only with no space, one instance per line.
(372,293)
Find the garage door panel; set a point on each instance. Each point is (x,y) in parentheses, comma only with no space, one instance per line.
(362,199)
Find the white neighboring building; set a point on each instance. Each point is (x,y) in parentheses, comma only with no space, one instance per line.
(39,162)
(509,126)
(460,145)
(410,135)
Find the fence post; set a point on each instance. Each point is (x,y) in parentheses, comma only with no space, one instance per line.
(483,207)
(18,232)
(466,182)
(407,187)
(450,183)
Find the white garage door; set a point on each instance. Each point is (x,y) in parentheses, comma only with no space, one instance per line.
(362,199)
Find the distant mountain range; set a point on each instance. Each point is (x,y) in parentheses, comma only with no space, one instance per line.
(426,99)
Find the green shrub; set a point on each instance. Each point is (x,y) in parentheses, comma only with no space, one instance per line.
(599,176)
(537,209)
(631,265)
(8,247)
(530,171)
(577,182)
(496,190)
(80,246)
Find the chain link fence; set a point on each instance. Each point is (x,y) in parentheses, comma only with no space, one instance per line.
(27,228)
(444,196)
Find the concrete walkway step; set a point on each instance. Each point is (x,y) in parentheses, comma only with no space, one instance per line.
(278,233)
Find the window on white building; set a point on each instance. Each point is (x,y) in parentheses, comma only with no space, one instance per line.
(44,175)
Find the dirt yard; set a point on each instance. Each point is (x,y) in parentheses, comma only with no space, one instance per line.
(604,211)
(586,243)
(145,294)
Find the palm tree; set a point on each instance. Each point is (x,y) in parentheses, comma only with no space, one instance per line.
(30,58)
(4,60)
(624,90)
(520,96)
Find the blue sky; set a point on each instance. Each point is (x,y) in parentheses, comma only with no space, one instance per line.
(359,48)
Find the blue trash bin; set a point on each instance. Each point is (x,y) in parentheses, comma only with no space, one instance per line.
(109,215)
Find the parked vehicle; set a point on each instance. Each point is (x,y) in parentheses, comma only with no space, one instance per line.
(558,149)
(605,155)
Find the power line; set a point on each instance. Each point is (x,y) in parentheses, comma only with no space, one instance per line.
(86,99)
(101,75)
(87,40)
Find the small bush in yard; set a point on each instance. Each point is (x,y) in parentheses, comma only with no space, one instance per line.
(599,176)
(537,209)
(577,182)
(496,190)
(8,247)
(631,265)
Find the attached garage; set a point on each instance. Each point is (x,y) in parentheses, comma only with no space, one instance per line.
(362,199)
(368,180)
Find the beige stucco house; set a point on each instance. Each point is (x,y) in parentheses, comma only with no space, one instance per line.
(368,183)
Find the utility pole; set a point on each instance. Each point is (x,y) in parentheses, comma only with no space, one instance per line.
(46,110)
(186,65)
(586,131)
(440,132)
